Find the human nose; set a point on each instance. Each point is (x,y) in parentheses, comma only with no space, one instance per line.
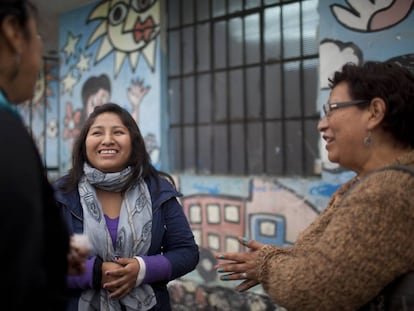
(107,139)
(323,123)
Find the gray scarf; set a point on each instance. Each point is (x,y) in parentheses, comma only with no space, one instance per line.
(133,234)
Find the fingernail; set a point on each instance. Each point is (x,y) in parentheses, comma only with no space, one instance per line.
(221,256)
(225,277)
(220,270)
(245,239)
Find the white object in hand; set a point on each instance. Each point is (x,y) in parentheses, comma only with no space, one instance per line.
(81,241)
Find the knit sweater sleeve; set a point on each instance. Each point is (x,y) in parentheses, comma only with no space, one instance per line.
(350,252)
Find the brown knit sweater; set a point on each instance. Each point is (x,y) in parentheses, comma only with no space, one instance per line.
(358,244)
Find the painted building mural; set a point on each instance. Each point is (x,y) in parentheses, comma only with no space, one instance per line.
(110,51)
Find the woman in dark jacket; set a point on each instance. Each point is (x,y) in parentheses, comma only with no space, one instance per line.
(34,240)
(140,238)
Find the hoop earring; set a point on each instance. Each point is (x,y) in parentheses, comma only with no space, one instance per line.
(368,139)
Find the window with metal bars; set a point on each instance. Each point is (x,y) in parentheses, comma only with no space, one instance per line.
(242,86)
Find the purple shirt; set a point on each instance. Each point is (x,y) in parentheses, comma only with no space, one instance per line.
(158,267)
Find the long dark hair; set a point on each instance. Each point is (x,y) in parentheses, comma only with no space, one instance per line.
(139,161)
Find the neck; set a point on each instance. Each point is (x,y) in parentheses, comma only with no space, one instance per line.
(382,158)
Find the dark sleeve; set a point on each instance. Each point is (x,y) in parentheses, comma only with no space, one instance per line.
(179,244)
(34,238)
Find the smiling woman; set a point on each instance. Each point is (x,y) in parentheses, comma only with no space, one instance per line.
(355,254)
(113,193)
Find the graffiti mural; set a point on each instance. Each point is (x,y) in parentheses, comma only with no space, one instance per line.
(95,43)
(360,30)
(40,114)
(275,210)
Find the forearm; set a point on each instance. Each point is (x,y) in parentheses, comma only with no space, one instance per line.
(157,268)
(84,280)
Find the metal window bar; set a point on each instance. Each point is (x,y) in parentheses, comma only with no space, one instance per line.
(213,71)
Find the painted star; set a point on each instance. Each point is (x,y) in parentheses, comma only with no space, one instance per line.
(68,82)
(70,47)
(83,63)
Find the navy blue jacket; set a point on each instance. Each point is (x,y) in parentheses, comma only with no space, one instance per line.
(171,233)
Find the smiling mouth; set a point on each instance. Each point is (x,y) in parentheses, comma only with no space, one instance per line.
(107,151)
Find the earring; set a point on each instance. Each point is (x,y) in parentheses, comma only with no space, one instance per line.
(368,139)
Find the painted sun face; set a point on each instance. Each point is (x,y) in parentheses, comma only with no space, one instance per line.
(129,27)
(131,20)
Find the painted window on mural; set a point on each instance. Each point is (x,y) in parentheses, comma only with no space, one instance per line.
(213,241)
(232,244)
(232,213)
(242,87)
(213,214)
(195,214)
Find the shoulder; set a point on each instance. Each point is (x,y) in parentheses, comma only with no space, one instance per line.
(14,132)
(392,178)
(21,161)
(64,197)
(382,190)
(160,188)
(161,183)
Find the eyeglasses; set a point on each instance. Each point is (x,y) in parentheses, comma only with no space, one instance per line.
(327,108)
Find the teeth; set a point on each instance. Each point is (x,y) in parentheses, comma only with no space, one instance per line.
(107,151)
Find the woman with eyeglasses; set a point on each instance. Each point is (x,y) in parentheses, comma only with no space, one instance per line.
(358,254)
(36,250)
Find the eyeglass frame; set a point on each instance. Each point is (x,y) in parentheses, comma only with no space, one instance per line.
(327,108)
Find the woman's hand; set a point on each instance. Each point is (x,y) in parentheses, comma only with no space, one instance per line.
(119,277)
(240,266)
(78,252)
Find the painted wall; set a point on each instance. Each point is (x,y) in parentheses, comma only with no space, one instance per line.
(275,210)
(95,52)
(41,115)
(110,52)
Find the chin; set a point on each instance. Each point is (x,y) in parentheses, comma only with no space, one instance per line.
(110,169)
(332,158)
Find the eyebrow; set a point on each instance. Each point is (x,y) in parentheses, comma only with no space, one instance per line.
(112,127)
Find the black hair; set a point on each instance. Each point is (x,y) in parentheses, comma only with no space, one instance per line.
(389,81)
(23,10)
(93,84)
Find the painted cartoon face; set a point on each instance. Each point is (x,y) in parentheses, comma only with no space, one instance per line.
(97,99)
(128,27)
(126,20)
(108,143)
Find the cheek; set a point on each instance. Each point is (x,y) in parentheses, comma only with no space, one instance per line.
(127,146)
(36,52)
(89,146)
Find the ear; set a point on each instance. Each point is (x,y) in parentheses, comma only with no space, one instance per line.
(12,34)
(377,110)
